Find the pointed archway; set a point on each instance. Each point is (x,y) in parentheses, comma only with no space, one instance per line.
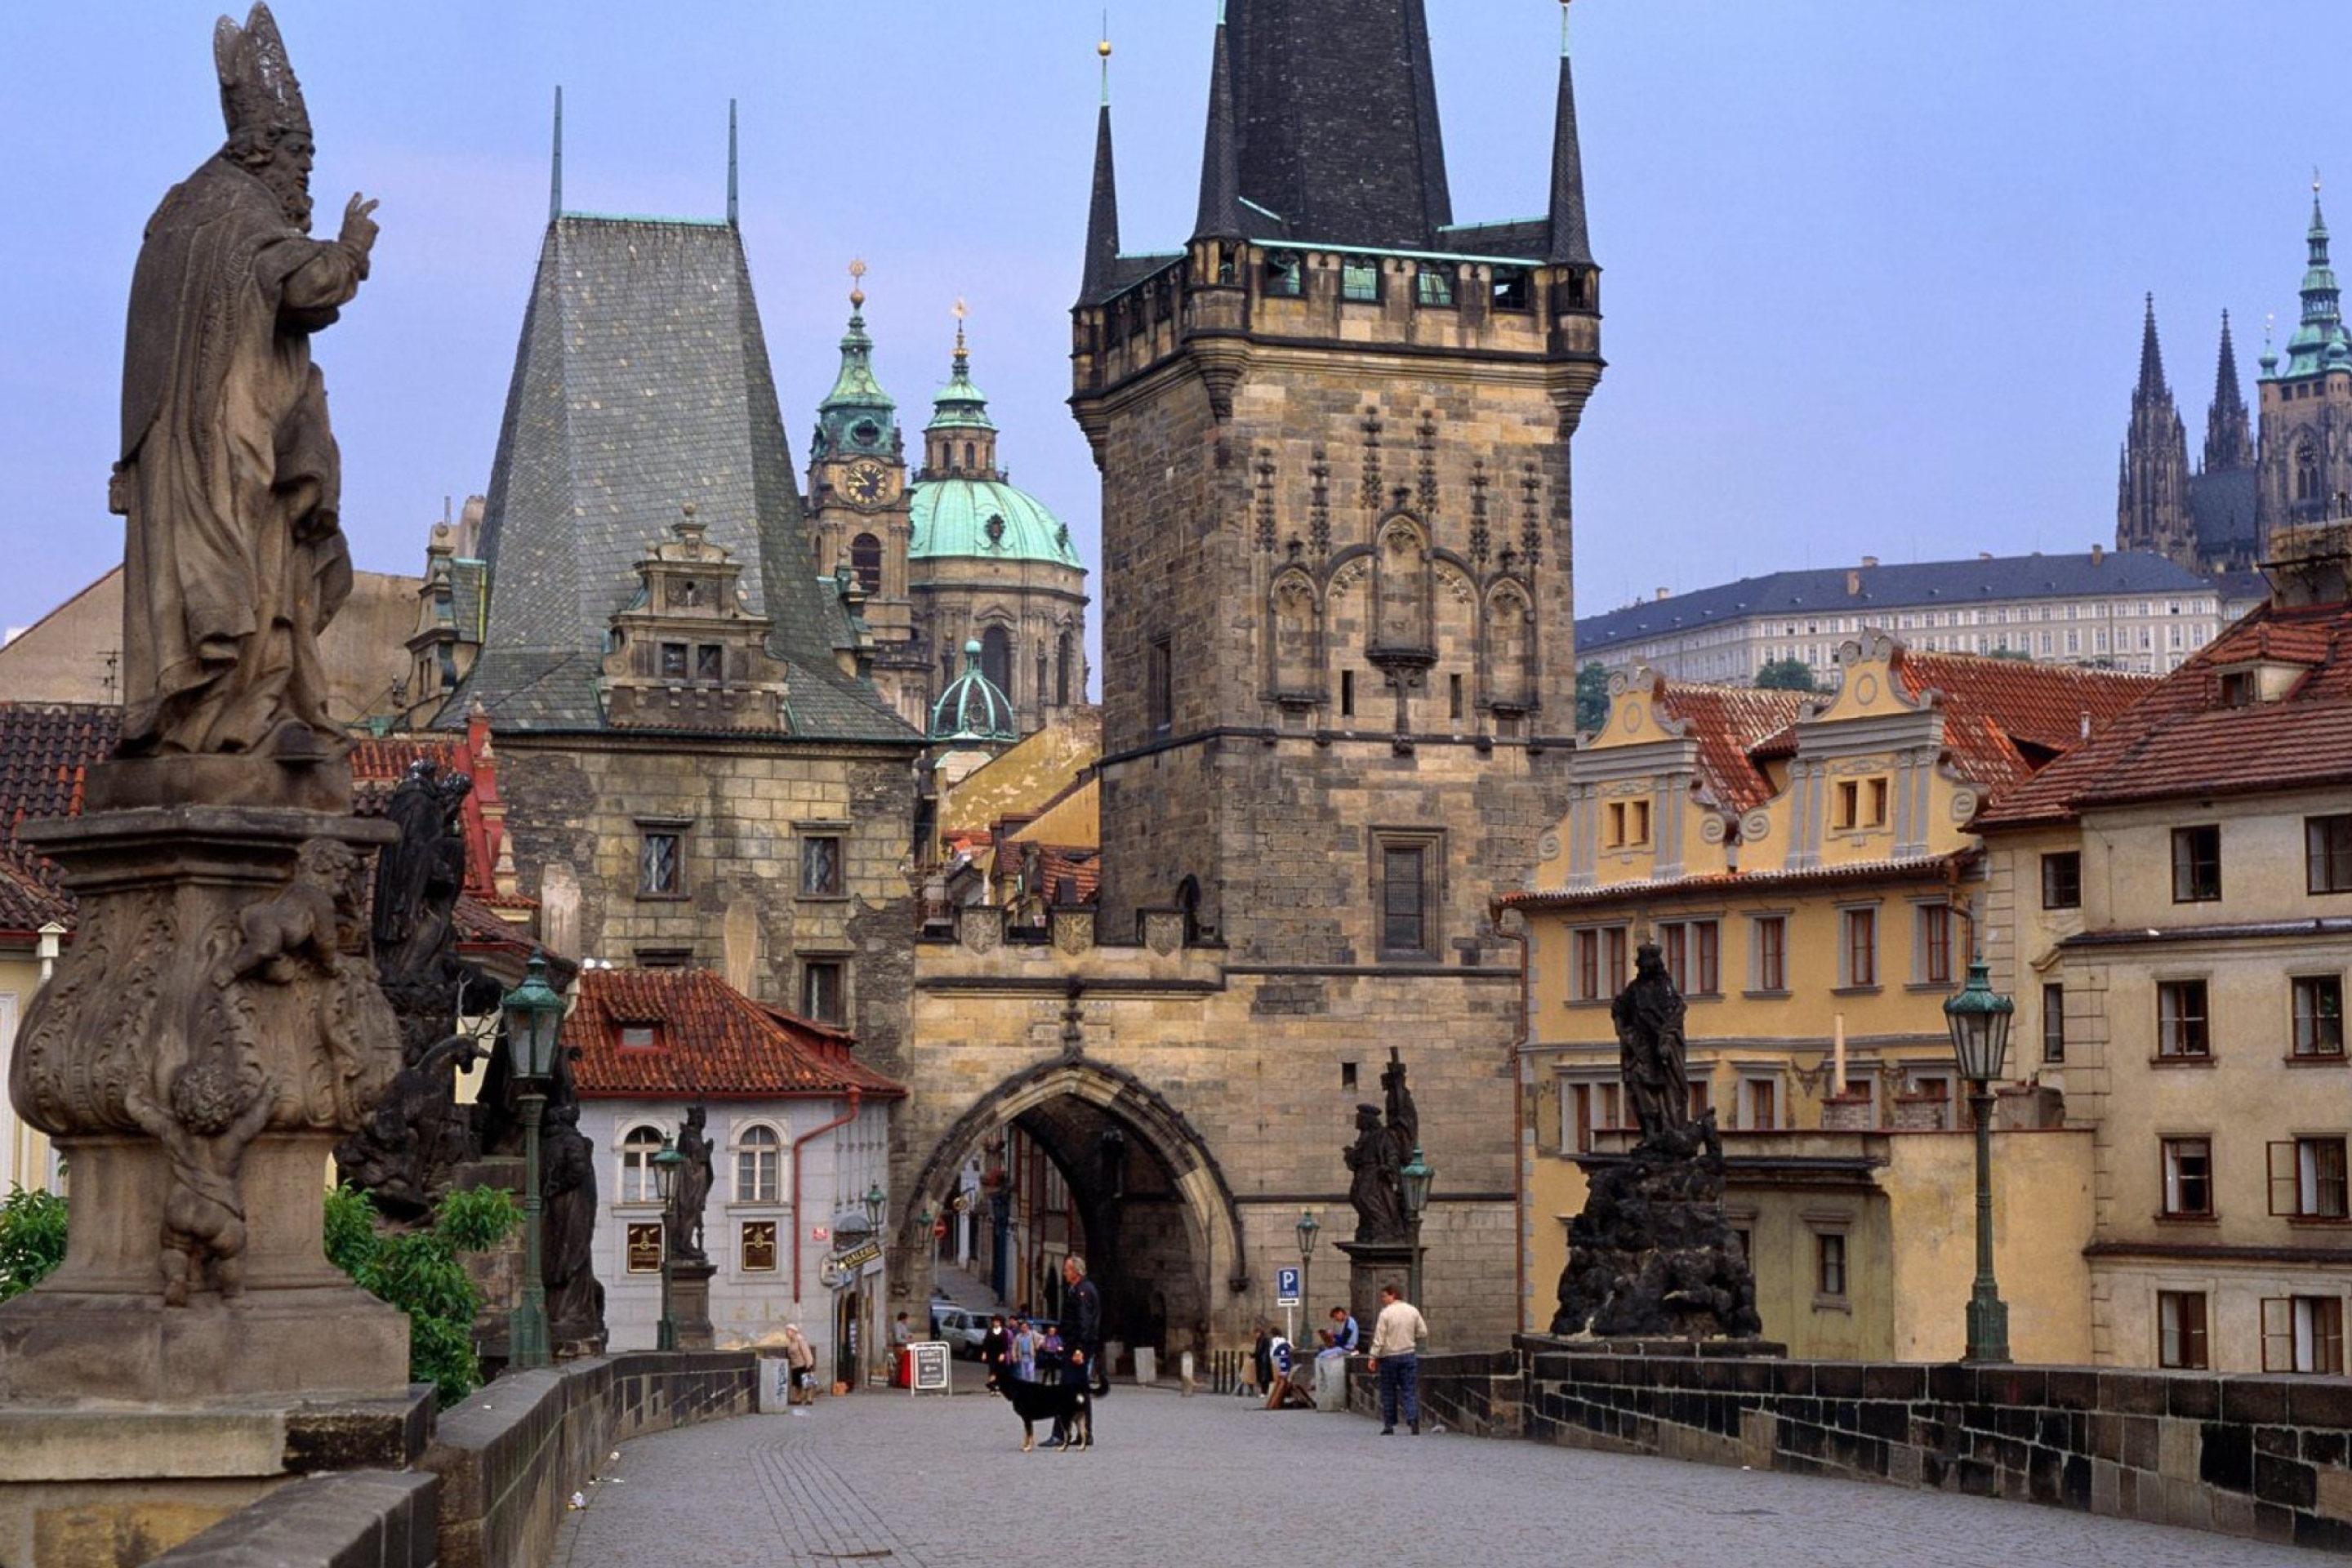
(1154,1209)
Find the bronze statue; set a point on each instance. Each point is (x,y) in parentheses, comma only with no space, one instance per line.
(229,476)
(419,879)
(690,1190)
(575,1299)
(1649,1017)
(1376,1189)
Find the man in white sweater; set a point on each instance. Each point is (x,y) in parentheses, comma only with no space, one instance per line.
(1397,1334)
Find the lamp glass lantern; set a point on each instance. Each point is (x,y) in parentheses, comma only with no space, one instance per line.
(665,1166)
(1308,1230)
(534,1017)
(1978,1021)
(1415,1179)
(874,1204)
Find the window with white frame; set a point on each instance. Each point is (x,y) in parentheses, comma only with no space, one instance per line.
(2318,1001)
(2180,1337)
(638,1147)
(2304,1334)
(2188,1178)
(758,1164)
(2183,1031)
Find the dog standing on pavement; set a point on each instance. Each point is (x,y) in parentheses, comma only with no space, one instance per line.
(1069,1404)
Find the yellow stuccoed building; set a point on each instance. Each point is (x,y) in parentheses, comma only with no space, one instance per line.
(1806,867)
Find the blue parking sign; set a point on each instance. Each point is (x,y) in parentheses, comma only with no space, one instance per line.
(1286,1286)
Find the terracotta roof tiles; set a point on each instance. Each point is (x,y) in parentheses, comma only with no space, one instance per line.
(1728,721)
(710,1041)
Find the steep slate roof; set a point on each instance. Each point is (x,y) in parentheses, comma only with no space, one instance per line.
(1728,721)
(1932,584)
(643,385)
(2221,509)
(2177,743)
(712,1041)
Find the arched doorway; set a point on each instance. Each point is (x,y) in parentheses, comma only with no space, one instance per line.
(1081,1157)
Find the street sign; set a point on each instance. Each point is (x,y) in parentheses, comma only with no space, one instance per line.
(1286,1287)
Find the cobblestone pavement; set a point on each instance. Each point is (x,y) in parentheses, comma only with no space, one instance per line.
(942,1483)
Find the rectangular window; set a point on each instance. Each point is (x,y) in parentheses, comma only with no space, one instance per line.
(2180,1330)
(1934,967)
(1673,951)
(644,1247)
(639,1036)
(1407,897)
(758,1246)
(1589,1107)
(758,1160)
(2188,1178)
(1510,289)
(1702,1098)
(820,865)
(659,875)
(1454,697)
(2328,854)
(1614,961)
(1772,952)
(1845,811)
(1359,280)
(2304,1334)
(2061,880)
(1584,949)
(1693,951)
(2181,1029)
(673,661)
(2054,1024)
(2308,1179)
(2196,864)
(2319,1015)
(1346,694)
(1629,824)
(710,662)
(1434,285)
(1858,950)
(1829,1256)
(1763,1104)
(1878,795)
(821,990)
(1159,684)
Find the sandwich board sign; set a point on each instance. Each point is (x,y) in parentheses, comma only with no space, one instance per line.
(930,1368)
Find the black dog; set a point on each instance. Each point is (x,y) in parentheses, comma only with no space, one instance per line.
(1067,1402)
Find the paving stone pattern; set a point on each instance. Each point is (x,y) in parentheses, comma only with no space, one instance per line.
(941,1482)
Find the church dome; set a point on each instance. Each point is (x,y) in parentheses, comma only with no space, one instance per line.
(972,710)
(988,519)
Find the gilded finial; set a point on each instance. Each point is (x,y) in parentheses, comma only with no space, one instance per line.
(856,287)
(1103,49)
(961,310)
(1564,28)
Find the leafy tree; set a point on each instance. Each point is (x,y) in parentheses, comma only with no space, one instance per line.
(32,1238)
(422,1272)
(1591,698)
(2018,654)
(1786,675)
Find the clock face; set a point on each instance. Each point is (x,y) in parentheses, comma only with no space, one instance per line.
(866,482)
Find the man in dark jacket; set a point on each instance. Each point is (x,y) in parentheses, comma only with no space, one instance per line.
(1082,1321)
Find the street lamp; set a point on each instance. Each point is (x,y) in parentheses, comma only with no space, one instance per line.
(1978,1021)
(665,1167)
(1307,1229)
(534,1016)
(1415,1179)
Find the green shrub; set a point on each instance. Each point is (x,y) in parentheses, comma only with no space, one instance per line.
(420,1272)
(32,1238)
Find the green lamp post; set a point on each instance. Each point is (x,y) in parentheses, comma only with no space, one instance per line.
(666,1169)
(533,1016)
(1415,1179)
(1308,1229)
(1978,1021)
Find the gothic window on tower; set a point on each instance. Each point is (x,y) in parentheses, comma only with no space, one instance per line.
(2306,472)
(1406,871)
(661,863)
(1282,275)
(1434,285)
(1062,671)
(822,990)
(1159,685)
(866,559)
(1361,280)
(996,658)
(1510,292)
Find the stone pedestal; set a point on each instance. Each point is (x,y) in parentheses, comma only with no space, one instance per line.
(690,1303)
(1370,1265)
(211,1032)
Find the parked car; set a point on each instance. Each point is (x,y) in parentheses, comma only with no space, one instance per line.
(962,1329)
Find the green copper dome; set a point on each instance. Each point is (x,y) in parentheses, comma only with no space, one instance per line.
(972,710)
(856,415)
(960,405)
(987,520)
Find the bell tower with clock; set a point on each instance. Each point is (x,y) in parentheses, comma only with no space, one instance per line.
(858,512)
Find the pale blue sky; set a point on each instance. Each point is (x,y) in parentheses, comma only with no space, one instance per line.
(1874,267)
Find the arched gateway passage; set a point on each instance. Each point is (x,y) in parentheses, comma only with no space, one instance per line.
(1154,1214)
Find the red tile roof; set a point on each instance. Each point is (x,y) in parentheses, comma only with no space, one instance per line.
(2004,718)
(1728,723)
(29,896)
(1912,868)
(711,1042)
(46,749)
(2177,743)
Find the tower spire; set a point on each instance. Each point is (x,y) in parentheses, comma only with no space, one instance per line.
(1102,213)
(555,174)
(1570,244)
(1221,182)
(2151,355)
(732,161)
(2228,427)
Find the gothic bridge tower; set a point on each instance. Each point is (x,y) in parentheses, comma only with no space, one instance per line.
(1333,431)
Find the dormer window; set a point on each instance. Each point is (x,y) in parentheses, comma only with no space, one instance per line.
(640,1037)
(2240,690)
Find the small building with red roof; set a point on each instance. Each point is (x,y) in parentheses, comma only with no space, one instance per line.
(800,1133)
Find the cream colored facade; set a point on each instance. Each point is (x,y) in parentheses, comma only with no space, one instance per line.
(25,1158)
(2102,968)
(1816,910)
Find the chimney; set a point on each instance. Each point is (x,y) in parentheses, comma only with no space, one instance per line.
(1662,595)
(1869,561)
(2098,553)
(1984,554)
(1852,584)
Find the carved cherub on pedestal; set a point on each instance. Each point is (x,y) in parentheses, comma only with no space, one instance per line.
(213,1112)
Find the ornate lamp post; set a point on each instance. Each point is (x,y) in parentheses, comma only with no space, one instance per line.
(1415,1178)
(1978,1021)
(665,1167)
(1307,1232)
(533,1015)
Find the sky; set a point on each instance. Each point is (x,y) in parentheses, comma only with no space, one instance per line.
(1874,268)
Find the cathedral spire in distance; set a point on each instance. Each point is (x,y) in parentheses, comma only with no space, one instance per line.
(2228,426)
(2151,359)
(2152,504)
